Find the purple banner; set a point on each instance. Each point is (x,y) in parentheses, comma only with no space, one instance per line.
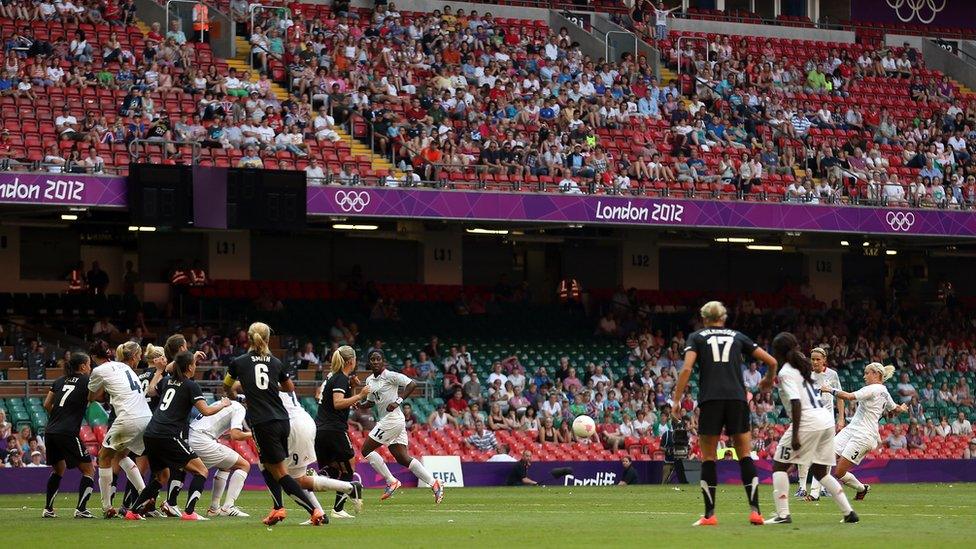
(875,470)
(209,197)
(617,210)
(62,188)
(937,13)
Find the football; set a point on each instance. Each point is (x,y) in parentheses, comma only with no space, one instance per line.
(584,426)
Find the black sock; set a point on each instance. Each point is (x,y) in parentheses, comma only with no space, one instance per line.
(85,489)
(115,487)
(709,478)
(274,487)
(175,485)
(149,492)
(193,494)
(291,487)
(53,483)
(340,499)
(750,481)
(130,495)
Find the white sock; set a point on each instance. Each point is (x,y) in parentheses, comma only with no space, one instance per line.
(234,487)
(421,472)
(219,483)
(105,486)
(837,492)
(326,484)
(815,488)
(376,461)
(802,471)
(850,480)
(315,500)
(132,473)
(781,493)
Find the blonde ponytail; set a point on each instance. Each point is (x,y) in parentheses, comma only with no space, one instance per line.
(258,335)
(153,352)
(127,351)
(340,357)
(889,371)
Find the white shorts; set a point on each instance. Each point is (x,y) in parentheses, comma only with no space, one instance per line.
(212,453)
(126,434)
(301,444)
(853,446)
(390,430)
(815,447)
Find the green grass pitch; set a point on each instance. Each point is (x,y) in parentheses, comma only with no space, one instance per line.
(920,515)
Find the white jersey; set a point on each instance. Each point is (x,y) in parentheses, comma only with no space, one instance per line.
(829,378)
(813,415)
(231,417)
(123,388)
(385,389)
(292,406)
(872,401)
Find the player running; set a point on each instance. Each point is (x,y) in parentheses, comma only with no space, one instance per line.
(333,449)
(822,375)
(861,435)
(719,351)
(391,429)
(66,403)
(205,432)
(262,377)
(165,436)
(119,381)
(809,440)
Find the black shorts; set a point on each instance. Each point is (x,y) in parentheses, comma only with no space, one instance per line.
(67,448)
(172,452)
(271,438)
(716,414)
(332,446)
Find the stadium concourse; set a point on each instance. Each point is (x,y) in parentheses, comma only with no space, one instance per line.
(467,100)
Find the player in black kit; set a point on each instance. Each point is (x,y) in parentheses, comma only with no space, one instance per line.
(66,402)
(262,376)
(333,450)
(165,436)
(719,353)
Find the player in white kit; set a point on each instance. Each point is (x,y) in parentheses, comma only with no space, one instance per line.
(809,438)
(204,436)
(120,382)
(822,375)
(391,429)
(861,435)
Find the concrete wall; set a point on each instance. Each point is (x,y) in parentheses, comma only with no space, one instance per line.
(602,25)
(952,65)
(589,44)
(771,31)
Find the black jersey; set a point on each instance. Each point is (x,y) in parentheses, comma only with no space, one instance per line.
(260,377)
(328,418)
(176,400)
(144,379)
(720,352)
(70,404)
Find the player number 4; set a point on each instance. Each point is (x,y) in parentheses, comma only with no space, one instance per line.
(721,347)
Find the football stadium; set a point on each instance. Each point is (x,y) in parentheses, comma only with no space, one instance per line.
(535,273)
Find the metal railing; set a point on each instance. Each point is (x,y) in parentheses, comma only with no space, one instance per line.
(168,148)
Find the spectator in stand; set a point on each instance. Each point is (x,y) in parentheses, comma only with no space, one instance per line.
(906,391)
(482,439)
(439,419)
(896,440)
(915,441)
(962,426)
(457,404)
(751,378)
(970,451)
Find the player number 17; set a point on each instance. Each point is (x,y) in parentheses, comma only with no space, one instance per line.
(721,346)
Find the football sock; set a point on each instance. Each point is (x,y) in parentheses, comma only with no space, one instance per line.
(837,492)
(53,483)
(115,482)
(341,497)
(850,480)
(129,496)
(193,494)
(105,486)
(801,472)
(313,499)
(291,487)
(376,461)
(709,478)
(217,492)
(321,484)
(175,486)
(781,493)
(148,493)
(750,481)
(234,487)
(421,472)
(814,488)
(274,488)
(132,473)
(85,488)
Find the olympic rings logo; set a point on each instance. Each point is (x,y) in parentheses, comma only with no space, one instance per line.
(352,201)
(900,221)
(923,10)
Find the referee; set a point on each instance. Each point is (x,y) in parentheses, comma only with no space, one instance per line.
(719,351)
